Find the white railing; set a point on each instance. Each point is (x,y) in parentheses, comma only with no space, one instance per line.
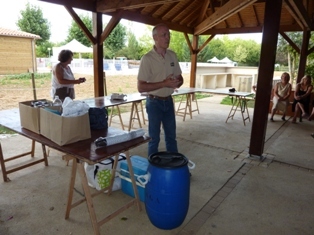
(110,66)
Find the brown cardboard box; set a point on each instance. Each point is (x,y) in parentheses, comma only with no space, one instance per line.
(64,130)
(29,116)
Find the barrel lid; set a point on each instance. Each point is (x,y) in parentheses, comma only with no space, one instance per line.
(168,159)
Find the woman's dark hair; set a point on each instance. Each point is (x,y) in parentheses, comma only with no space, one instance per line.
(65,55)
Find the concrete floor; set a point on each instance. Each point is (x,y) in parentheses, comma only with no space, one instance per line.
(230,193)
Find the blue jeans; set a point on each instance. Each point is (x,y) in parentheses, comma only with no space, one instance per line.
(161,112)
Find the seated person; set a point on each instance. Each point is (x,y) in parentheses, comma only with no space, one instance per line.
(302,97)
(282,92)
(254,87)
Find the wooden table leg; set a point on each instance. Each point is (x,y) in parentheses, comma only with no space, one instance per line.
(134,115)
(4,172)
(189,103)
(244,109)
(142,110)
(88,198)
(137,198)
(33,148)
(137,115)
(183,113)
(195,100)
(45,155)
(71,189)
(119,114)
(79,166)
(235,105)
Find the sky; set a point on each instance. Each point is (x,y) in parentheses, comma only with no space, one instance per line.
(60,20)
(58,17)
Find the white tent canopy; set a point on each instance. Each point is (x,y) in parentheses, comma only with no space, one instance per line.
(214,60)
(74,46)
(226,60)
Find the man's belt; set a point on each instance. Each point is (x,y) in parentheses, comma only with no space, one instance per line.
(159,97)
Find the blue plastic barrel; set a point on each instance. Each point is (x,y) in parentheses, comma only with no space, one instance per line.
(167,192)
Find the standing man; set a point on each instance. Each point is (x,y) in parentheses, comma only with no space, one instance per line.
(159,75)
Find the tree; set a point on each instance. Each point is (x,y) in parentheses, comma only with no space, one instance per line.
(291,55)
(133,49)
(179,45)
(115,41)
(214,49)
(146,42)
(32,21)
(43,51)
(75,31)
(240,54)
(244,52)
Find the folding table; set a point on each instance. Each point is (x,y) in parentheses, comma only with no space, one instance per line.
(81,152)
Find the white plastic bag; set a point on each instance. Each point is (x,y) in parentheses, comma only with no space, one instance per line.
(72,108)
(99,174)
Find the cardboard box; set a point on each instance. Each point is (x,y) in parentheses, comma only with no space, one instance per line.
(64,130)
(29,116)
(139,166)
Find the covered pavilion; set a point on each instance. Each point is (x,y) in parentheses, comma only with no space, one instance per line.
(208,17)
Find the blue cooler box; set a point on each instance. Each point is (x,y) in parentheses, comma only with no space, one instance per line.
(139,166)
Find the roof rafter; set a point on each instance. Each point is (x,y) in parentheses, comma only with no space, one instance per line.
(230,8)
(110,6)
(203,11)
(81,24)
(147,19)
(298,11)
(256,16)
(291,43)
(82,4)
(115,19)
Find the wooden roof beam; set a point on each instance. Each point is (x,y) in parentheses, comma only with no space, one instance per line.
(81,24)
(162,16)
(240,19)
(82,4)
(299,13)
(189,16)
(115,19)
(212,7)
(147,19)
(291,43)
(202,14)
(227,10)
(182,13)
(110,6)
(256,17)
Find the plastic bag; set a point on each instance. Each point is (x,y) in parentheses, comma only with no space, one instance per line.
(72,108)
(99,174)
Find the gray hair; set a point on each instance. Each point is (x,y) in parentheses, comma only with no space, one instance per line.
(155,29)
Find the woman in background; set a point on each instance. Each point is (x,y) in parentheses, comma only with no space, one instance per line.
(282,92)
(62,77)
(302,97)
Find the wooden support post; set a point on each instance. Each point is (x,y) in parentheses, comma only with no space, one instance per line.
(265,75)
(31,71)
